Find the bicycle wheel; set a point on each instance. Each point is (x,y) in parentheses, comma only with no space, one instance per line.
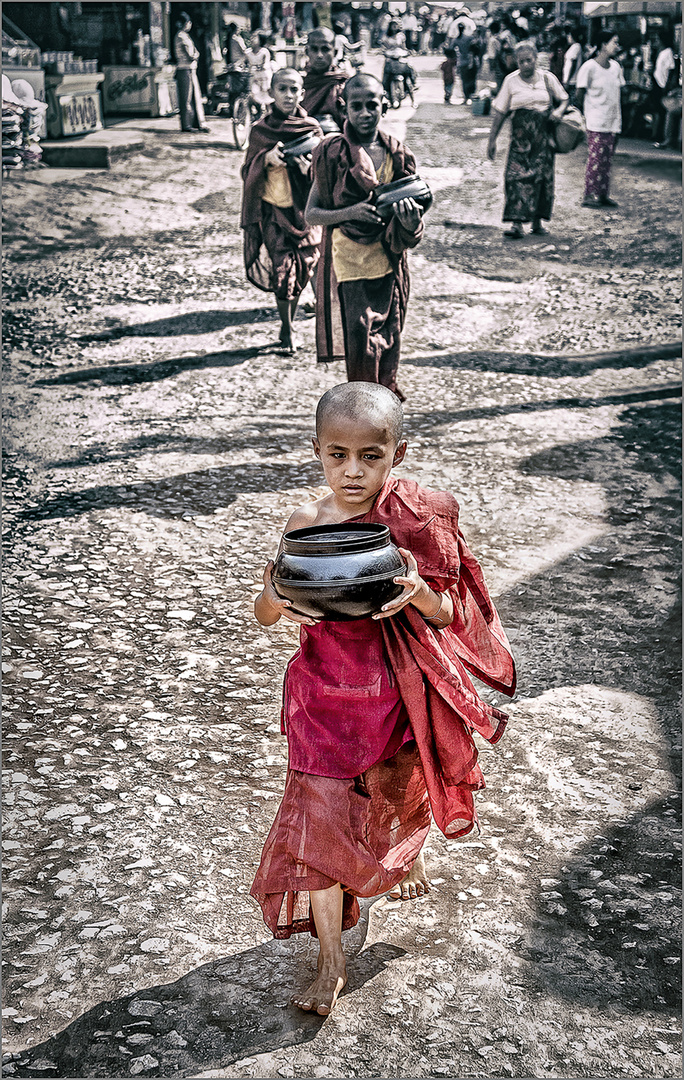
(242,122)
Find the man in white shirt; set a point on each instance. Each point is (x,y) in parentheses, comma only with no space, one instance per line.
(572,61)
(599,82)
(663,71)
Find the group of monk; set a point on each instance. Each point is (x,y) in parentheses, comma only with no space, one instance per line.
(379,712)
(312,217)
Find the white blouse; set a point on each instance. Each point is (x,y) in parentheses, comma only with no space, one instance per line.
(515,93)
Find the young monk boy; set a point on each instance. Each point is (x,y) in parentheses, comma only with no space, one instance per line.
(323,81)
(363,280)
(379,712)
(280,248)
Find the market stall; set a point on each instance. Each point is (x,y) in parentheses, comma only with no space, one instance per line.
(74,105)
(21,59)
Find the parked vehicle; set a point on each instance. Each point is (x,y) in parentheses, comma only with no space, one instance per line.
(397,78)
(230,95)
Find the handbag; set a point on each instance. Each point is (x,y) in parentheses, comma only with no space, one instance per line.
(570,130)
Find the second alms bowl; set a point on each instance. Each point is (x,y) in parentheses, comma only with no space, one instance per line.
(338,572)
(305,144)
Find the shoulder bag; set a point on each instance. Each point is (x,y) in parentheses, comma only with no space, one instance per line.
(568,132)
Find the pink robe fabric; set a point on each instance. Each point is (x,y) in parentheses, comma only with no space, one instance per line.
(320,836)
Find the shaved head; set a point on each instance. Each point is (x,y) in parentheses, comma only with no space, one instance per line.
(365,402)
(363,82)
(285,75)
(321,34)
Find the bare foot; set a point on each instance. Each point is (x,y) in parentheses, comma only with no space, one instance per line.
(321,996)
(414,884)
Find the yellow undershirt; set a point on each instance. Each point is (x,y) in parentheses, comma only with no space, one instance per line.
(277,188)
(356,262)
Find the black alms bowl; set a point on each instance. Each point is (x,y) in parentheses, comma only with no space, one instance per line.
(340,572)
(305,144)
(327,124)
(386,196)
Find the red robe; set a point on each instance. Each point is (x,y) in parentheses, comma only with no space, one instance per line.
(366,830)
(280,249)
(365,330)
(323,94)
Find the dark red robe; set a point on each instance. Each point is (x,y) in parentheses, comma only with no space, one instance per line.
(361,321)
(323,94)
(366,830)
(280,249)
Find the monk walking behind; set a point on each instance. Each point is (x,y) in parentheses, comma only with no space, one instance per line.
(323,81)
(280,248)
(379,712)
(362,286)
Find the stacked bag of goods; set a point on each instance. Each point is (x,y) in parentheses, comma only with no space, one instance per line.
(22,117)
(11,136)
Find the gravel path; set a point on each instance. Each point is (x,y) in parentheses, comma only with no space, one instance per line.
(154,446)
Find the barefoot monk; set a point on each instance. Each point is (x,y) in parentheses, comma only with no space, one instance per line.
(379,712)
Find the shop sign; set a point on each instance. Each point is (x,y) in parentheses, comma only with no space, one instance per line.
(80,112)
(133,89)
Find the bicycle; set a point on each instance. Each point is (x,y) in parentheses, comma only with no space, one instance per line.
(231,93)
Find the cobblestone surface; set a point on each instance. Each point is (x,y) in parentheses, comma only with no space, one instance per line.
(154,446)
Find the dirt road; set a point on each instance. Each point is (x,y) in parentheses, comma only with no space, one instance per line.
(154,446)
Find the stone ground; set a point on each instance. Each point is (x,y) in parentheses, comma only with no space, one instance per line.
(154,445)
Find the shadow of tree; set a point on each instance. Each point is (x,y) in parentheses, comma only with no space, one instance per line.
(556,367)
(200,492)
(619,940)
(213,1016)
(615,939)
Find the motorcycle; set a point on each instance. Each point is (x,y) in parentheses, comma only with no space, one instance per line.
(398,78)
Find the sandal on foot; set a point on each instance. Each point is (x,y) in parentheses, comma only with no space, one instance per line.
(514,233)
(539,230)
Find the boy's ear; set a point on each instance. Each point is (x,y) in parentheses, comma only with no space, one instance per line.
(316,447)
(399,453)
(385,105)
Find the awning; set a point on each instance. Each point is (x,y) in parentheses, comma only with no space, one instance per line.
(632,7)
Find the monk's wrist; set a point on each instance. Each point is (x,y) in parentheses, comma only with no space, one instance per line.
(426,600)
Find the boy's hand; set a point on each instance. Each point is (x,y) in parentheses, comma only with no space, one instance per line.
(409,213)
(414,586)
(304,163)
(491,150)
(274,158)
(280,606)
(364,211)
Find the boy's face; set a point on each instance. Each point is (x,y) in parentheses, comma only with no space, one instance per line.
(364,109)
(287,92)
(357,457)
(320,52)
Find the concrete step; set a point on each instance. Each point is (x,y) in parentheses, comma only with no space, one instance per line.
(96,150)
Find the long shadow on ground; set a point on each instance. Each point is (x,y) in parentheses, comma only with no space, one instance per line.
(129,374)
(201,492)
(190,322)
(609,932)
(271,436)
(554,367)
(208,1019)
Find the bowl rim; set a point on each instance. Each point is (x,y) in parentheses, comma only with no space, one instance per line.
(336,583)
(369,536)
